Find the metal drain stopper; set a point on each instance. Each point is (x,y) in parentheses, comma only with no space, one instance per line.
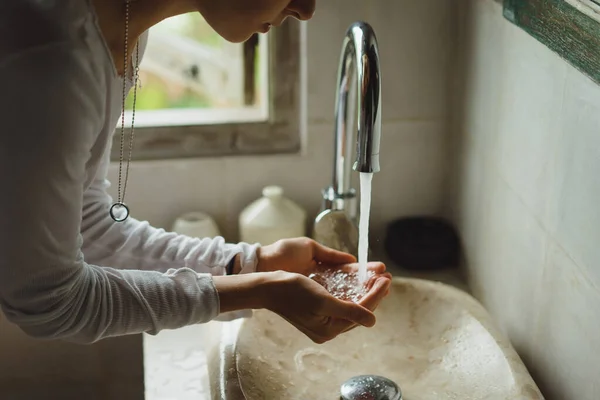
(370,387)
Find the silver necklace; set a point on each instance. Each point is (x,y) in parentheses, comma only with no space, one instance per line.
(119,211)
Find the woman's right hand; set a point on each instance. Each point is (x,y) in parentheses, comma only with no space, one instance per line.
(299,300)
(314,311)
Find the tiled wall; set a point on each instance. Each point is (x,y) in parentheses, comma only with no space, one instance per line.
(527,193)
(416,40)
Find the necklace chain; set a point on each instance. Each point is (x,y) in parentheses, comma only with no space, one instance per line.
(122,183)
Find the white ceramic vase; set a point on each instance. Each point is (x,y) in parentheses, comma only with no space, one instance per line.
(196,224)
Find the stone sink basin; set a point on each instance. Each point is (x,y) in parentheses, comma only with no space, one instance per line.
(436,342)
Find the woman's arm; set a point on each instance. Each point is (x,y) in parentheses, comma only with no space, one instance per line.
(134,244)
(50,108)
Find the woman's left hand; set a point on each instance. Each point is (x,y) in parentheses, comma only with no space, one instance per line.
(303,256)
(299,255)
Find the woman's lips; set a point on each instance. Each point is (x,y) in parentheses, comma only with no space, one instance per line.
(284,16)
(265,28)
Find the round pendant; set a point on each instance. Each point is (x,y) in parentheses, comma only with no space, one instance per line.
(119,212)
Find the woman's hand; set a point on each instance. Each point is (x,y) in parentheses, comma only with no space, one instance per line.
(378,286)
(312,310)
(300,255)
(304,256)
(300,300)
(281,285)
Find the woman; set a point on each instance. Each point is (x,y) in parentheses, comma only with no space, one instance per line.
(70,271)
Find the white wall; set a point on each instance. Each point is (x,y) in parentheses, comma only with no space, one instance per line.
(415,46)
(527,194)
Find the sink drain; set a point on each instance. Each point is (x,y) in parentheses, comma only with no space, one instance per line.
(371,387)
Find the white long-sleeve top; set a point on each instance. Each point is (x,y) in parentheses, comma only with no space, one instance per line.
(67,270)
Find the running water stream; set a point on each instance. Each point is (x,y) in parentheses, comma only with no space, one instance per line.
(347,284)
(366,179)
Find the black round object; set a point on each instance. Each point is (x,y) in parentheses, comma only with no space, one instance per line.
(422,243)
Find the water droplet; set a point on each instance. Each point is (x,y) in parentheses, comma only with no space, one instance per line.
(341,284)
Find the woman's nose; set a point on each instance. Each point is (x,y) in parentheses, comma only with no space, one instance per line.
(304,9)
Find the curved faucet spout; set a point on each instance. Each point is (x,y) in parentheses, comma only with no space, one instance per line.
(359,74)
(360,57)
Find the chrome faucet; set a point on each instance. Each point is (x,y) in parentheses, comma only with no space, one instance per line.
(358,74)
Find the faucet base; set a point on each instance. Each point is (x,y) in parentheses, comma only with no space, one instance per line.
(335,229)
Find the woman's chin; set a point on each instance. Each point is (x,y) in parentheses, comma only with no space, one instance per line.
(236,38)
(240,37)
(232,36)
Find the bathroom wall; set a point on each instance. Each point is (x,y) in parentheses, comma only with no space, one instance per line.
(527,195)
(416,40)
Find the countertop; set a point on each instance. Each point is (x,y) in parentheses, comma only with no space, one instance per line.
(175,361)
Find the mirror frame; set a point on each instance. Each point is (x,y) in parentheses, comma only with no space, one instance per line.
(570,28)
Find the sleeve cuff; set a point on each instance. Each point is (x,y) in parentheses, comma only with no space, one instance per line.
(249,262)
(248,258)
(228,316)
